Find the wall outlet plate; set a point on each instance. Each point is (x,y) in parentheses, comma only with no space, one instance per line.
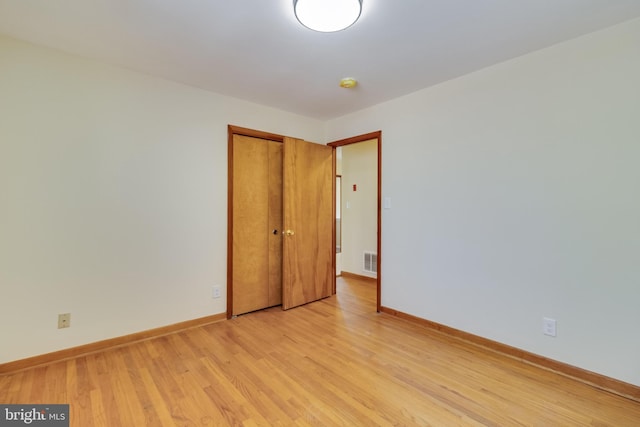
(64,320)
(549,326)
(216,292)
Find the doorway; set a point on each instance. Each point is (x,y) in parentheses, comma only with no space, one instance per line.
(374,258)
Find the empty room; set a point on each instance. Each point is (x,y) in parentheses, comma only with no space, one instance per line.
(319,212)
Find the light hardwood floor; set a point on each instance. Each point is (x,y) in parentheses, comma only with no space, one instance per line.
(331,363)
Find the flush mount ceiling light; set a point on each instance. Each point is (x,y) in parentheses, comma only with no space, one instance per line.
(327,16)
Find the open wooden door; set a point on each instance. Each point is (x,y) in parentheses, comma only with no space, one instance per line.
(308,179)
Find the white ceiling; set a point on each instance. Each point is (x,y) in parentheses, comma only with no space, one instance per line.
(256,50)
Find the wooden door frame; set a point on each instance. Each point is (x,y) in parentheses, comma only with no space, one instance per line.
(377,135)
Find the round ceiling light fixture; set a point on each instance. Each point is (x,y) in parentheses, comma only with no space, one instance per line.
(327,16)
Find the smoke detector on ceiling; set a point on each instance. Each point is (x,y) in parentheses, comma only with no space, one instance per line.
(348,82)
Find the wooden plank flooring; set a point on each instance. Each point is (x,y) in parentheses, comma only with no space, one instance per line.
(331,363)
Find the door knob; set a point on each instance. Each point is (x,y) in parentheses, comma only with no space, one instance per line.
(288,232)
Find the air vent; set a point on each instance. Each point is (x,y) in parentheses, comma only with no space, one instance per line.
(370,262)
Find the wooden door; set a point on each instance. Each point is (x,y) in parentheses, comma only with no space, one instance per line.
(257,224)
(275,223)
(308,222)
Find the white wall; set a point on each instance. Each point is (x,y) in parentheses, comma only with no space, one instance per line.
(515,196)
(113,190)
(360,207)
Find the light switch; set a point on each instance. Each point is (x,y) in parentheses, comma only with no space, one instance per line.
(387,202)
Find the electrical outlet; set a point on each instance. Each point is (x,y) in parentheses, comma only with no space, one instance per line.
(64,320)
(215,292)
(549,326)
